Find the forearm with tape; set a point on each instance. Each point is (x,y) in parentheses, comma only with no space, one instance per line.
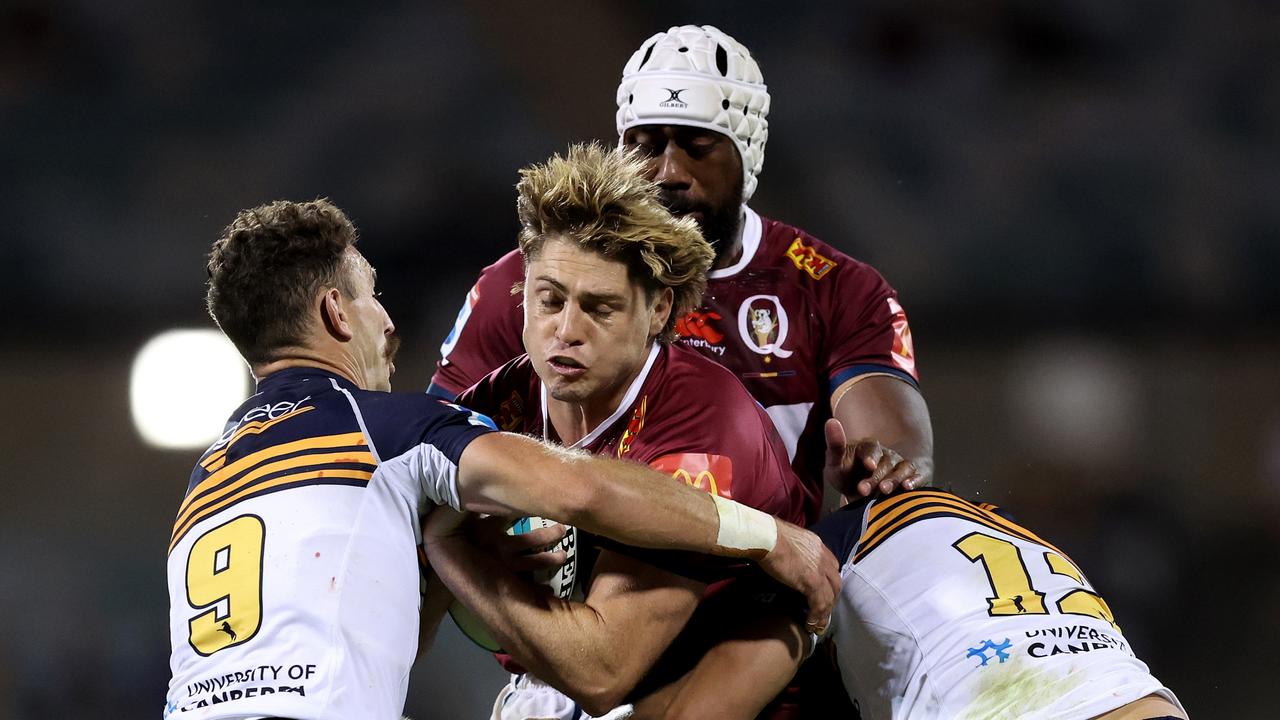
(744,531)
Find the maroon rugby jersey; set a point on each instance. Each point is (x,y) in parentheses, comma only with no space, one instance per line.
(683,415)
(793,319)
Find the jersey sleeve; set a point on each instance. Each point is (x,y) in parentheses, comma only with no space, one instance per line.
(868,331)
(841,530)
(420,439)
(487,331)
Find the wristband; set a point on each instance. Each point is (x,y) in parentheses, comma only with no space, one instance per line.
(744,531)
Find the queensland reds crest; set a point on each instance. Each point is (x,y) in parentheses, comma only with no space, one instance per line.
(762,322)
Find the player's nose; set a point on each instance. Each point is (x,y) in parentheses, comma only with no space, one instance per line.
(672,168)
(570,325)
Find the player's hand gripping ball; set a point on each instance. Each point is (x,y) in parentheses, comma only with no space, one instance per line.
(558,578)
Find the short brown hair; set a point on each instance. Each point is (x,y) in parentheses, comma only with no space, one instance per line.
(268,266)
(598,198)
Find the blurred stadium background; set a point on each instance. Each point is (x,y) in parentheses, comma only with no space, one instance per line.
(1074,198)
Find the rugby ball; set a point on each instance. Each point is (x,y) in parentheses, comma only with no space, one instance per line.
(560,581)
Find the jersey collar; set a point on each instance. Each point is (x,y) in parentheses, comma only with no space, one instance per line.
(618,412)
(304,373)
(750,231)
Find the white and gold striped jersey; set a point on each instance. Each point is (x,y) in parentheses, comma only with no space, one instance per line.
(949,609)
(294,581)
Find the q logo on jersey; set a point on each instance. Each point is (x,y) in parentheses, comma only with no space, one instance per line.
(762,322)
(704,471)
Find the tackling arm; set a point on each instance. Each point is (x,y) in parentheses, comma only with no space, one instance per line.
(504,474)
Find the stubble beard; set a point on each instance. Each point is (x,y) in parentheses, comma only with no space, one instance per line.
(719,225)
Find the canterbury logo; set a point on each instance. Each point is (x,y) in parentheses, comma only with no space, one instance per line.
(698,325)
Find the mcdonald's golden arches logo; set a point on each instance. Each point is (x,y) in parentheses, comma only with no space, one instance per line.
(704,471)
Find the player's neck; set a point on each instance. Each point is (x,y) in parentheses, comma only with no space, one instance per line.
(304,357)
(729,249)
(573,421)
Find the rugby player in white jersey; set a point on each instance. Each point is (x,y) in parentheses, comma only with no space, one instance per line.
(948,609)
(293,570)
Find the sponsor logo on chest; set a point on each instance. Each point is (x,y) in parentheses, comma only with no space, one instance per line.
(699,329)
(704,471)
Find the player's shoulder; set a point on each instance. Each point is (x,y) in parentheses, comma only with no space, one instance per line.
(841,530)
(808,259)
(397,422)
(887,517)
(509,266)
(495,288)
(513,376)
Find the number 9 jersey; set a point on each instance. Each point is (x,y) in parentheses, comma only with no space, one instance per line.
(948,609)
(294,583)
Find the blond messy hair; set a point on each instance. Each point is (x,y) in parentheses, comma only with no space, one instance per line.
(599,199)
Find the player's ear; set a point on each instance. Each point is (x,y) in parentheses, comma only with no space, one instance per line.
(333,313)
(662,303)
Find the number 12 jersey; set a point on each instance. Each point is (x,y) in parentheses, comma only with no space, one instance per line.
(949,609)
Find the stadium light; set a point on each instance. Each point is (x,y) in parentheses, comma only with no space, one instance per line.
(183,385)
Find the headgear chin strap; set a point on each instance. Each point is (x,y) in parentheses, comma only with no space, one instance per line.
(701,77)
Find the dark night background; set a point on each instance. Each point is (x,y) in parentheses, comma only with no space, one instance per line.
(1074,200)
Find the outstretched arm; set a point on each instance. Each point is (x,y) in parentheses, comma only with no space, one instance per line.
(505,474)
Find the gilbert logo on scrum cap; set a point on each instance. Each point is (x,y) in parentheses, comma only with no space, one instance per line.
(673,100)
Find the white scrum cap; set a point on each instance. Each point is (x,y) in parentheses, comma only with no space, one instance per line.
(699,76)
